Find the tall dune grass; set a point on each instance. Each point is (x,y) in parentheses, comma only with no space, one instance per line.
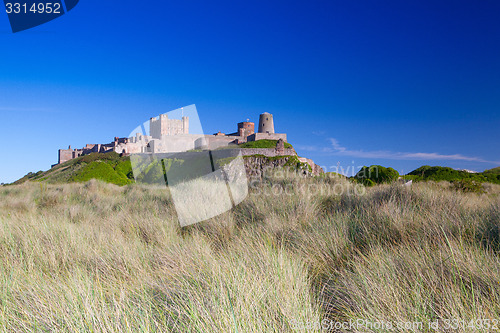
(102,258)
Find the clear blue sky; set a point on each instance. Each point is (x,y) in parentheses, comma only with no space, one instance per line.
(396,83)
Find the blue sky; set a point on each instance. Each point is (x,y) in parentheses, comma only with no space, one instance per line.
(396,83)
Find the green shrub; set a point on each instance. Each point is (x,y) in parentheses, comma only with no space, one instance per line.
(468,186)
(368,182)
(111,156)
(294,163)
(125,168)
(495,171)
(376,174)
(102,171)
(437,173)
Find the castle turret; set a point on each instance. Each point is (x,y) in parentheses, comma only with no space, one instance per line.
(266,123)
(185,125)
(245,129)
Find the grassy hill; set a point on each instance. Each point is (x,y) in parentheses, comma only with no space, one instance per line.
(495,171)
(110,168)
(437,173)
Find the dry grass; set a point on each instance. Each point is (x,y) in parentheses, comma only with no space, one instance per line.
(102,258)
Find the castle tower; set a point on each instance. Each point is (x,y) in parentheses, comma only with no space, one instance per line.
(266,123)
(245,129)
(161,126)
(185,125)
(164,124)
(155,127)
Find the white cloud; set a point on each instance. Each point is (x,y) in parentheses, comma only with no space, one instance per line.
(336,149)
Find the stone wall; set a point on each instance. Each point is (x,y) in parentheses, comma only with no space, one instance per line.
(267,136)
(217,141)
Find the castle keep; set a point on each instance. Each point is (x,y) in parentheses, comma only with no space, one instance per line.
(163,126)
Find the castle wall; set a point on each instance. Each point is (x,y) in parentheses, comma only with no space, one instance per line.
(217,141)
(174,143)
(268,136)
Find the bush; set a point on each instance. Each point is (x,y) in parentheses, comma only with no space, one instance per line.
(495,171)
(376,174)
(93,157)
(468,186)
(102,171)
(437,173)
(368,182)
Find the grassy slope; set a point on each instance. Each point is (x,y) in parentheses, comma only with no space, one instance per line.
(98,257)
(495,171)
(110,168)
(437,173)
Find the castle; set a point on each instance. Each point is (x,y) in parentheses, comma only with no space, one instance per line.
(172,135)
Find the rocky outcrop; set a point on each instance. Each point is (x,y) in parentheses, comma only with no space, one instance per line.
(269,152)
(258,166)
(316,169)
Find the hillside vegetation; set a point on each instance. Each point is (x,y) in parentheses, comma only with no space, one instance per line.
(109,167)
(495,171)
(376,174)
(95,257)
(114,169)
(437,173)
(263,144)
